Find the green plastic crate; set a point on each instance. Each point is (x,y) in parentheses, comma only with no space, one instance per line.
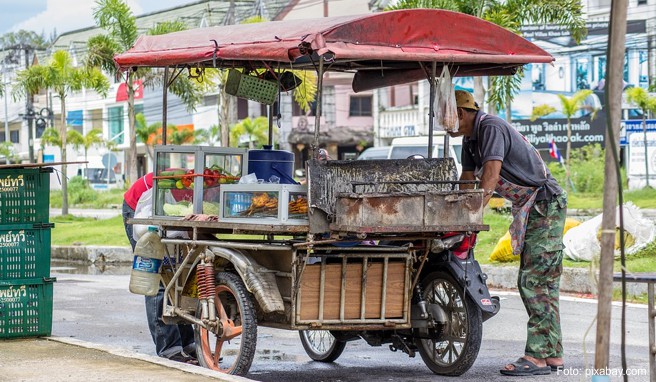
(25,195)
(24,251)
(26,308)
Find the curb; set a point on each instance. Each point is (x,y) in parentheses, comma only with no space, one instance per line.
(573,280)
(92,254)
(126,353)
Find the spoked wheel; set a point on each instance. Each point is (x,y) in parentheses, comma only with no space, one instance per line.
(453,349)
(321,345)
(233,349)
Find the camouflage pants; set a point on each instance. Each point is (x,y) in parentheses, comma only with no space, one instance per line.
(539,277)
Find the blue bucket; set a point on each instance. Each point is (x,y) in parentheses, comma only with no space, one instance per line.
(267,162)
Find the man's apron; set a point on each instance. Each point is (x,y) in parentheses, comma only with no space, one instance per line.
(522,199)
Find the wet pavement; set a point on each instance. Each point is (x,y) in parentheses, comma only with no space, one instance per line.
(93,304)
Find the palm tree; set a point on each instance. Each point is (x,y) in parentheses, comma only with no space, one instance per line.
(510,14)
(93,138)
(147,134)
(115,17)
(8,151)
(646,103)
(208,137)
(179,136)
(63,78)
(256,131)
(569,107)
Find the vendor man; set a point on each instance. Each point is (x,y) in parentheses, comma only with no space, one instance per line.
(505,161)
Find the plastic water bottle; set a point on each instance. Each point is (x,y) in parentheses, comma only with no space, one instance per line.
(148,255)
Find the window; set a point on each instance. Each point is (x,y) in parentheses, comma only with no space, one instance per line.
(297,111)
(242,108)
(360,106)
(116,127)
(13,136)
(642,2)
(74,120)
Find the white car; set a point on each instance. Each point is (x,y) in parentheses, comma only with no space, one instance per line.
(405,147)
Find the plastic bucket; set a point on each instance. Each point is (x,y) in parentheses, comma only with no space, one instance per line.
(267,162)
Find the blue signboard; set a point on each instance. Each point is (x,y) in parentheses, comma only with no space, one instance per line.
(634,126)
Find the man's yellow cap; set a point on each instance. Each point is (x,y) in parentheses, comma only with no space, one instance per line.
(465,100)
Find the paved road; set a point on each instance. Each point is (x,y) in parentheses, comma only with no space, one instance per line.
(94,305)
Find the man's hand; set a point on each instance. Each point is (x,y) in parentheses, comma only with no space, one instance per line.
(467,175)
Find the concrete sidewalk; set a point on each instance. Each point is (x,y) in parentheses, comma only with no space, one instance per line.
(65,359)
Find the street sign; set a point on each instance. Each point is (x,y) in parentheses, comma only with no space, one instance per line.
(631,126)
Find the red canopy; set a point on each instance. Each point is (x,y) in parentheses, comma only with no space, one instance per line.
(382,48)
(405,35)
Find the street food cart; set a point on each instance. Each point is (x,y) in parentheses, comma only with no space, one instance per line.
(379,250)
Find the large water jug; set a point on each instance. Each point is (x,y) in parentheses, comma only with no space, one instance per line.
(148,256)
(267,162)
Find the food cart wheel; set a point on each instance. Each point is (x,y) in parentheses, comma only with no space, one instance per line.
(321,345)
(453,349)
(233,351)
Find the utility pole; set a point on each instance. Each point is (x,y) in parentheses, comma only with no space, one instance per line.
(29,111)
(616,43)
(5,83)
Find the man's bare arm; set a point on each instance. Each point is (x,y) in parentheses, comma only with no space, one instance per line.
(491,172)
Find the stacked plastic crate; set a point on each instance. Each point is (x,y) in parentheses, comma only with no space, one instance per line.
(25,282)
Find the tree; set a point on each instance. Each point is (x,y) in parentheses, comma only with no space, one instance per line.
(147,133)
(115,17)
(179,136)
(509,14)
(63,78)
(8,151)
(256,130)
(646,103)
(14,43)
(569,107)
(91,139)
(211,136)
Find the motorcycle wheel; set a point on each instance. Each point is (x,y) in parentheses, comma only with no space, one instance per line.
(233,351)
(321,345)
(453,350)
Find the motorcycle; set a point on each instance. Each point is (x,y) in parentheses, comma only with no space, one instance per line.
(450,303)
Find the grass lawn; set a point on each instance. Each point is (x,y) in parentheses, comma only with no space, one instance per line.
(70,230)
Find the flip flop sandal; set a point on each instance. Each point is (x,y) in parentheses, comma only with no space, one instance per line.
(180,357)
(555,368)
(525,367)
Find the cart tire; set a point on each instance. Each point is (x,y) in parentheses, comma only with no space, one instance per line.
(230,354)
(321,345)
(453,350)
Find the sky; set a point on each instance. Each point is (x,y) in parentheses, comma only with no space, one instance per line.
(64,15)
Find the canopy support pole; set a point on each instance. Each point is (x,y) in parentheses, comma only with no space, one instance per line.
(271,124)
(317,119)
(431,109)
(165,91)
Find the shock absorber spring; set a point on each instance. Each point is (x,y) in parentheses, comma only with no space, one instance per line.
(206,289)
(421,301)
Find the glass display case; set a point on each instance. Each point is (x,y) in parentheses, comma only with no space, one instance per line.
(188,178)
(264,204)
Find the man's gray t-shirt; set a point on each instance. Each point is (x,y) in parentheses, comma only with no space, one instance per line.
(494,139)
